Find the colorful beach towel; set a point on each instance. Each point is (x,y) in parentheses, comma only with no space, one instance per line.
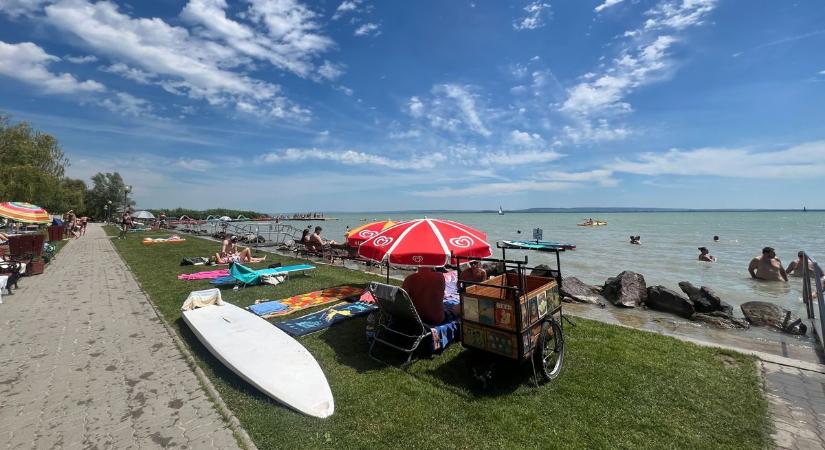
(304,301)
(207,275)
(321,320)
(266,308)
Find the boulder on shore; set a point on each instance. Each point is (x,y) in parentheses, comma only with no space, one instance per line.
(661,298)
(764,313)
(542,270)
(581,292)
(720,319)
(701,302)
(626,289)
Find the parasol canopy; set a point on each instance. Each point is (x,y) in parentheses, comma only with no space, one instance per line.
(425,242)
(24,212)
(143,215)
(357,236)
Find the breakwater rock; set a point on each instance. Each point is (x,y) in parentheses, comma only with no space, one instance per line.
(768,314)
(627,289)
(574,289)
(661,298)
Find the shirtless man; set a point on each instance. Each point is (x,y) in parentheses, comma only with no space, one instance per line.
(474,273)
(767,267)
(704,255)
(795,268)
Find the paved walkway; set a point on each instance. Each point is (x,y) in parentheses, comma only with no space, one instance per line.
(797,405)
(86,363)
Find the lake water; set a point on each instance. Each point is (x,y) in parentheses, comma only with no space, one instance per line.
(668,253)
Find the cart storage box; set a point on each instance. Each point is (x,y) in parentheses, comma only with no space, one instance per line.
(493,319)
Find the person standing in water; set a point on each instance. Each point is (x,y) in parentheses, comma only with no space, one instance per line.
(704,255)
(796,267)
(767,267)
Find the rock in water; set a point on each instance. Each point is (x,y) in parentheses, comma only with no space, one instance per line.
(700,302)
(711,297)
(542,270)
(721,320)
(626,289)
(581,292)
(661,298)
(764,313)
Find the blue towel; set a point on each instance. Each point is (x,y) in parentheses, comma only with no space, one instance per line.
(222,281)
(320,320)
(265,308)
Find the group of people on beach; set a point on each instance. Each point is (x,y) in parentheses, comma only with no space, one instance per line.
(75,225)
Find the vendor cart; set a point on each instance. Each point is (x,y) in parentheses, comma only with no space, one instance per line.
(515,315)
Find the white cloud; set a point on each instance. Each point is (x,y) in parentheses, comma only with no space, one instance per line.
(586,131)
(519,158)
(603,177)
(28,63)
(822,72)
(80,59)
(127,105)
(416,107)
(509,187)
(367,29)
(607,4)
(345,7)
(678,15)
(130,73)
(353,158)
(410,134)
(17,8)
(187,65)
(347,91)
(800,161)
(526,139)
(534,17)
(195,165)
(330,71)
(451,107)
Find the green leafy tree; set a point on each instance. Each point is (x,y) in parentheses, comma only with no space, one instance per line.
(32,164)
(108,190)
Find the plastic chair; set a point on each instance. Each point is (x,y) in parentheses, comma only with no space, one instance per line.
(399,325)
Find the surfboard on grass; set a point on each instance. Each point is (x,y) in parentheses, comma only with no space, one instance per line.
(264,356)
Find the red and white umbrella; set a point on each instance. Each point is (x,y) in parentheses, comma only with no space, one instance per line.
(425,242)
(357,236)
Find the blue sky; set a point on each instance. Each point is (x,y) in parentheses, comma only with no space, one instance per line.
(283,105)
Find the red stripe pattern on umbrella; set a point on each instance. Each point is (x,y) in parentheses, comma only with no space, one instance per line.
(24,212)
(425,242)
(357,236)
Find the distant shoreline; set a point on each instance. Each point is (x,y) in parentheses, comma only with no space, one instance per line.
(571,210)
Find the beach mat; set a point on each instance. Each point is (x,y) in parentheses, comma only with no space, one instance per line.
(324,319)
(206,275)
(266,308)
(304,301)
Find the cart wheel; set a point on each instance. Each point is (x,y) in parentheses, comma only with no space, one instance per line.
(549,354)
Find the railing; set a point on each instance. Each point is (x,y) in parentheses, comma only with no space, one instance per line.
(814,299)
(253,234)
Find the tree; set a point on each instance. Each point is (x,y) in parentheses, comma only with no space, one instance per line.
(106,188)
(32,164)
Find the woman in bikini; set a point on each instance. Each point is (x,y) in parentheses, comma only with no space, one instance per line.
(229,253)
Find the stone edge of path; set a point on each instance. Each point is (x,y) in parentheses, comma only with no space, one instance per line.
(763,356)
(223,409)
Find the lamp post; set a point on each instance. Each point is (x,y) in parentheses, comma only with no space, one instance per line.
(106,213)
(126,197)
(108,210)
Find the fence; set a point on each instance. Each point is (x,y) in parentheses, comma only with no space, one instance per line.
(812,295)
(259,234)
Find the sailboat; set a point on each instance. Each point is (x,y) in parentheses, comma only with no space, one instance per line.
(500,211)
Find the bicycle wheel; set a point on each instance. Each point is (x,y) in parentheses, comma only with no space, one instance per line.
(549,353)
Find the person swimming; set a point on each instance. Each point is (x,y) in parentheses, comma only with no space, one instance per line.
(704,255)
(767,267)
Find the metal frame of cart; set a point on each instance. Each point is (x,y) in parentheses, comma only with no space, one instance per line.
(515,315)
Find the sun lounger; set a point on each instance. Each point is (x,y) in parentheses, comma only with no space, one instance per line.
(240,274)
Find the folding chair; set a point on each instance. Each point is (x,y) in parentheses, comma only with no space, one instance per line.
(399,325)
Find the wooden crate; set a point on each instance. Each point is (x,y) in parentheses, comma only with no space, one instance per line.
(493,319)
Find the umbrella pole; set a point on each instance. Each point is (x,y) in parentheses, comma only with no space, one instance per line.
(388,271)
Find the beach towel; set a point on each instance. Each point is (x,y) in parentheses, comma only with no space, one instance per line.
(451,286)
(266,308)
(447,332)
(304,301)
(323,319)
(245,275)
(207,275)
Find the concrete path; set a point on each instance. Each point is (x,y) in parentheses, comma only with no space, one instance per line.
(86,363)
(797,404)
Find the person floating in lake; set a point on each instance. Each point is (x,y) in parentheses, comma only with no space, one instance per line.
(635,240)
(229,253)
(796,267)
(473,272)
(715,239)
(426,290)
(704,255)
(767,267)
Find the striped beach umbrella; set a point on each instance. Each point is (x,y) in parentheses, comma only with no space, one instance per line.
(357,236)
(24,212)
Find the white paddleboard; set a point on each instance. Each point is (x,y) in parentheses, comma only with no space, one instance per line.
(263,355)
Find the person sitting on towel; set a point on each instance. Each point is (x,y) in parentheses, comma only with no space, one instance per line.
(426,289)
(474,273)
(230,253)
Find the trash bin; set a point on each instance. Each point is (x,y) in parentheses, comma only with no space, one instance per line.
(55,233)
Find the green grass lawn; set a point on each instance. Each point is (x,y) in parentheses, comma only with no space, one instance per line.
(619,388)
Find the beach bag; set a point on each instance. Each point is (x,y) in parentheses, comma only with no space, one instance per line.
(194,261)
